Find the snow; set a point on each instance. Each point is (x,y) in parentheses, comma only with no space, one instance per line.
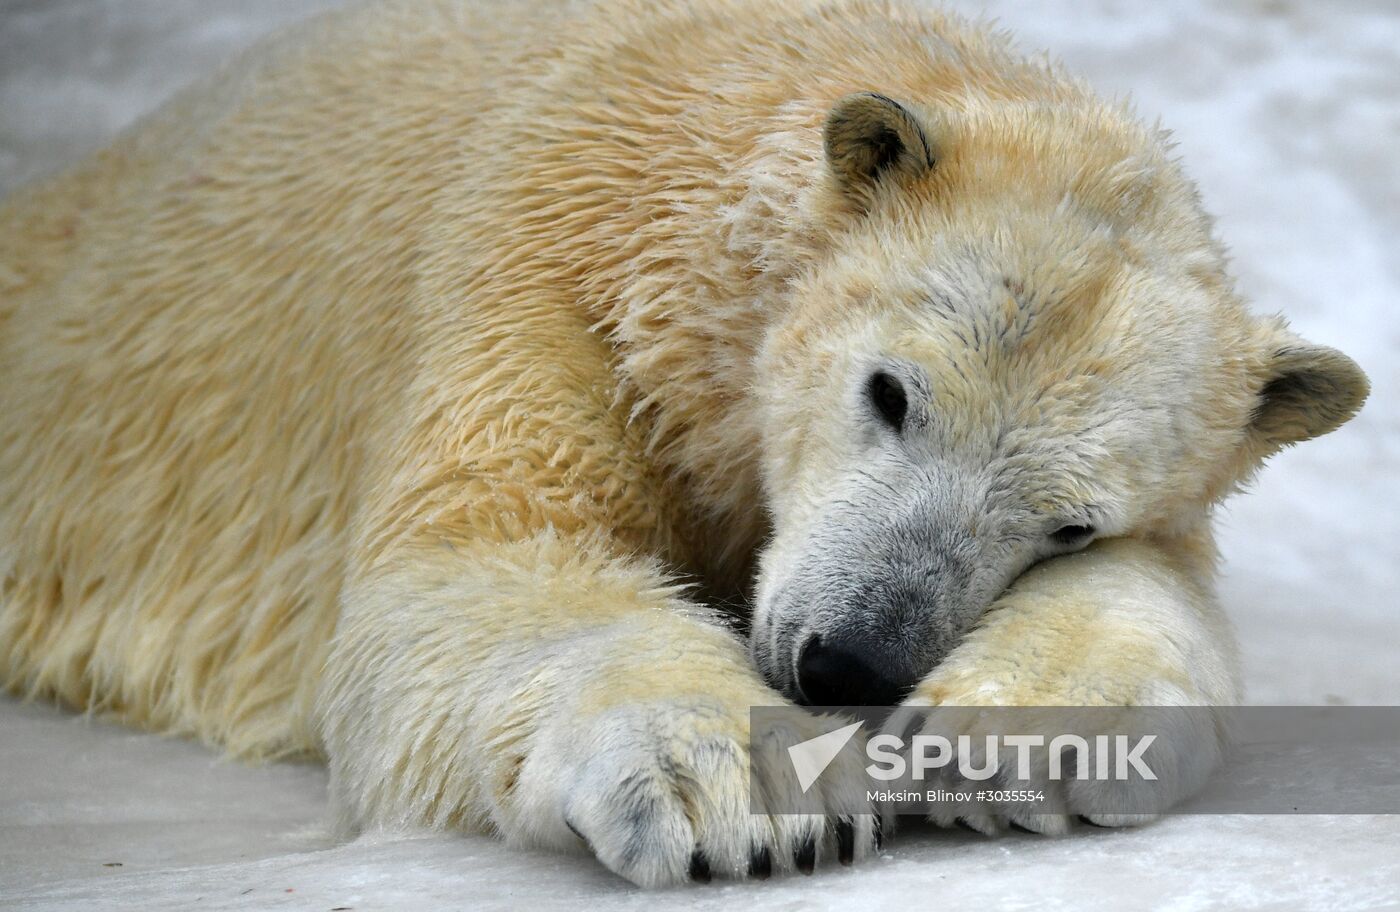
(1286,112)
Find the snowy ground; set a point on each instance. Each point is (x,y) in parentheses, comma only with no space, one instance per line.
(1287,112)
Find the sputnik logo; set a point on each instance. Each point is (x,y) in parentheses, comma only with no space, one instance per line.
(810,758)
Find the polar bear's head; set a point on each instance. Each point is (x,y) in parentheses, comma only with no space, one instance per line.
(1022,340)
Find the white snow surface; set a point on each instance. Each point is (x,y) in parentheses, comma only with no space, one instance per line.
(1287,112)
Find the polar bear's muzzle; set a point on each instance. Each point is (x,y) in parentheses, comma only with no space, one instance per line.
(860,624)
(860,607)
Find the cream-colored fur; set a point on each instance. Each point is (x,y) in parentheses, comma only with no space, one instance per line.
(376,399)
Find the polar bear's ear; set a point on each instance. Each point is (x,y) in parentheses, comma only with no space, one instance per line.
(868,136)
(1308,391)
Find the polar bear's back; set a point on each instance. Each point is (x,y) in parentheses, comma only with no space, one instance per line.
(198,326)
(215,346)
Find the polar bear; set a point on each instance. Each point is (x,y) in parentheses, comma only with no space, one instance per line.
(423,391)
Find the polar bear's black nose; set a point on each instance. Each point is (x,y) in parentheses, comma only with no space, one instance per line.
(835,673)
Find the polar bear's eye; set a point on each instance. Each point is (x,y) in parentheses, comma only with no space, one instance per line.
(1073,535)
(887,395)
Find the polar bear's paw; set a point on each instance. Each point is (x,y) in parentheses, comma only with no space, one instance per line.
(661,794)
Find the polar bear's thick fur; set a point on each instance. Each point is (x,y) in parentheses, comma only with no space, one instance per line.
(375,400)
